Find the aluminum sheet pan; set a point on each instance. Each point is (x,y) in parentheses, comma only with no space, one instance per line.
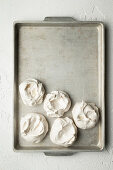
(64,55)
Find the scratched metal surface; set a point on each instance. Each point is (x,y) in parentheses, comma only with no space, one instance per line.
(64,56)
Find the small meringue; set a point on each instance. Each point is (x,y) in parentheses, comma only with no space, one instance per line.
(85,115)
(32,92)
(33,127)
(57,103)
(63,132)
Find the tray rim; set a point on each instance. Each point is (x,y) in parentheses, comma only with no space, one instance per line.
(97,148)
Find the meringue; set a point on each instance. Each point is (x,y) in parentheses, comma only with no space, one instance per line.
(56,103)
(33,127)
(85,115)
(63,132)
(32,92)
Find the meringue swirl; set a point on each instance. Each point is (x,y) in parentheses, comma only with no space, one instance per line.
(33,127)
(85,115)
(56,103)
(32,92)
(63,132)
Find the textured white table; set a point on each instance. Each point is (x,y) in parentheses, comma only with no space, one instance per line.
(11,10)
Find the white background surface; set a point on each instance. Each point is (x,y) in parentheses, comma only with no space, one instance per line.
(11,10)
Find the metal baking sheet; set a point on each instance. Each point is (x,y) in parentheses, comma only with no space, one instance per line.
(64,55)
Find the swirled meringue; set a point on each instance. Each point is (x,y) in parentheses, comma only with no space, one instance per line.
(33,127)
(63,132)
(56,103)
(32,92)
(85,115)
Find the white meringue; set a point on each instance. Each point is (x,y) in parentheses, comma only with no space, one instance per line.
(63,132)
(85,115)
(56,103)
(32,92)
(33,127)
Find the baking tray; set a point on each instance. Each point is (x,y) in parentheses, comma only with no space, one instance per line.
(67,55)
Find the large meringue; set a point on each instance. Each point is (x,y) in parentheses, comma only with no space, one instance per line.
(32,92)
(63,132)
(56,103)
(85,115)
(33,127)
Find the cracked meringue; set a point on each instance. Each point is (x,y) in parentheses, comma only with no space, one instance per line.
(63,132)
(85,115)
(33,127)
(32,92)
(56,103)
